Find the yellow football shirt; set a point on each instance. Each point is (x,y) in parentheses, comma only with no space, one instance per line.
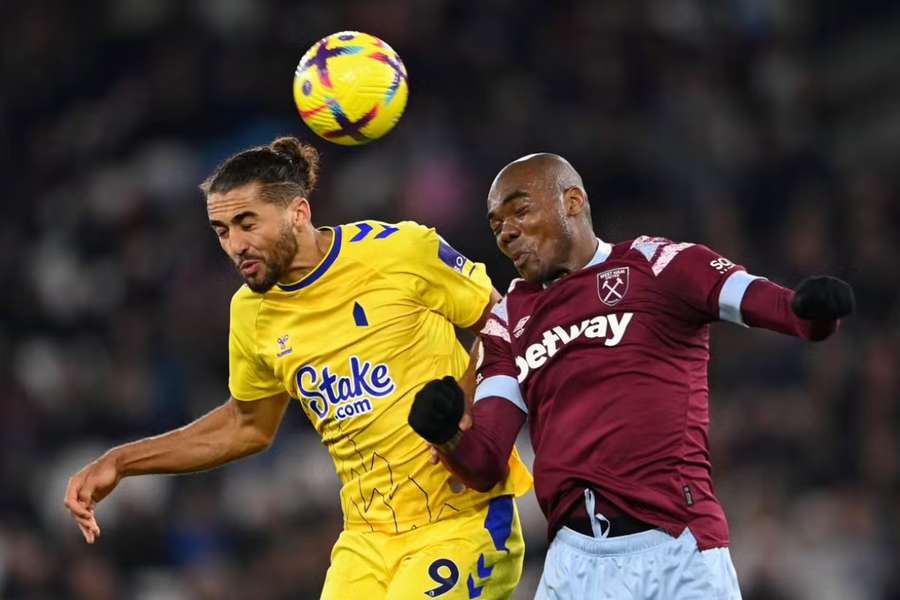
(353,341)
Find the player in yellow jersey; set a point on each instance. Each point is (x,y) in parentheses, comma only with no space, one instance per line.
(351,321)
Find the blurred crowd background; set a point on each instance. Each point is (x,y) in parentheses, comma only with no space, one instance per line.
(767,129)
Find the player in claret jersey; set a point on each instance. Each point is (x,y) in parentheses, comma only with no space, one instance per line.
(605,347)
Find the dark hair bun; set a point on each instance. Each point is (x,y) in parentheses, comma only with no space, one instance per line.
(303,157)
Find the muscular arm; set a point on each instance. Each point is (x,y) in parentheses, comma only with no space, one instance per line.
(233,430)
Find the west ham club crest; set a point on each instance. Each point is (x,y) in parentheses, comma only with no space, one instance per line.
(612,285)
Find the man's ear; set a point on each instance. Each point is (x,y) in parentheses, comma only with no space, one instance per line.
(574,201)
(301,215)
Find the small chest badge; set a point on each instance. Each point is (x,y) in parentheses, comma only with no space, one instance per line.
(283,348)
(612,285)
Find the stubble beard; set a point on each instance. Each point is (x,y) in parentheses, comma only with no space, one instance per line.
(277,263)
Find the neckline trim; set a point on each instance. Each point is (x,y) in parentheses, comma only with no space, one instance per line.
(323,266)
(604,249)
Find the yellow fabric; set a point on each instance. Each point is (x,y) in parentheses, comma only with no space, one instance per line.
(353,341)
(457,558)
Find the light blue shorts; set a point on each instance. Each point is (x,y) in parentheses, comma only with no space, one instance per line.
(651,565)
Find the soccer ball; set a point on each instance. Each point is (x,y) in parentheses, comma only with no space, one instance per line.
(350,88)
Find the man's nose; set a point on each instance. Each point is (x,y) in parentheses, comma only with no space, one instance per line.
(508,233)
(236,245)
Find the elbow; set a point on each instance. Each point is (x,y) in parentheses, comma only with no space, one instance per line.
(254,441)
(247,436)
(479,473)
(484,485)
(261,441)
(485,477)
(478,461)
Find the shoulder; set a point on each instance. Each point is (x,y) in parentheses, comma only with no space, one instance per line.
(500,310)
(371,231)
(381,242)
(498,322)
(518,288)
(401,245)
(245,298)
(663,255)
(245,305)
(510,305)
(647,246)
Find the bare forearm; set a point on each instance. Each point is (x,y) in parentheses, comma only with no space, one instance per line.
(212,440)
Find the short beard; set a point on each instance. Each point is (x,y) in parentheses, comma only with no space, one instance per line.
(278,263)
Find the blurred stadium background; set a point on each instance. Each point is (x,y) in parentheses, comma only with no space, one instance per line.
(768,129)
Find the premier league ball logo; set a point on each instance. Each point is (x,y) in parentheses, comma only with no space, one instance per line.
(612,285)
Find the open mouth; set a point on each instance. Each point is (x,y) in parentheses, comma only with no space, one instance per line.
(249,267)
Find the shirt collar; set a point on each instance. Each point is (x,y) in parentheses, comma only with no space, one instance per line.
(603,251)
(323,265)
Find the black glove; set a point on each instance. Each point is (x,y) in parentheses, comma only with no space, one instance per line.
(823,298)
(437,409)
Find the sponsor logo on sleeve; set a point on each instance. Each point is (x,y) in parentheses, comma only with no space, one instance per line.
(453,259)
(721,264)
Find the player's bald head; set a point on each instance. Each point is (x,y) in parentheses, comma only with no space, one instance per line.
(550,169)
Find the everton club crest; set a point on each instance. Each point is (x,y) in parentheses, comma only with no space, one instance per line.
(612,285)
